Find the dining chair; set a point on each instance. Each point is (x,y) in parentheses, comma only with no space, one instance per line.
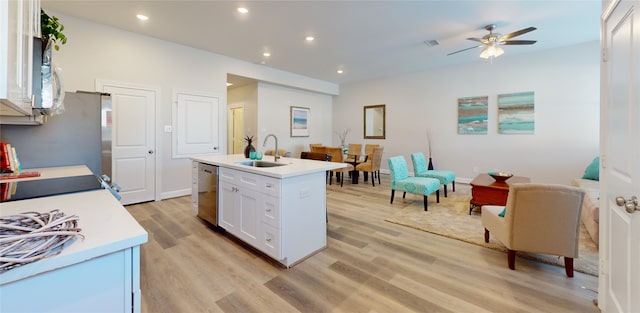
(372,165)
(336,156)
(400,180)
(281,152)
(318,156)
(368,148)
(355,150)
(313,146)
(538,218)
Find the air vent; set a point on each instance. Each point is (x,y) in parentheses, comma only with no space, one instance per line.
(431,43)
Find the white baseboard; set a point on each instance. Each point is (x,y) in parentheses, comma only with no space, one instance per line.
(175,194)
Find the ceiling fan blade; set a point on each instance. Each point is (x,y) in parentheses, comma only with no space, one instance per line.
(477,39)
(465,49)
(517,33)
(518,42)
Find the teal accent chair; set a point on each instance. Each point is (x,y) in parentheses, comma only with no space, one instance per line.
(420,170)
(400,180)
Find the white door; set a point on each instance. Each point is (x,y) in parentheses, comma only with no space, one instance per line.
(620,281)
(235,130)
(134,141)
(196,124)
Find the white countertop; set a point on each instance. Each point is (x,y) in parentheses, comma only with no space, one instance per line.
(106,226)
(53,172)
(293,167)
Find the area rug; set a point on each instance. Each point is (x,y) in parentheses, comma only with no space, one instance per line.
(450,218)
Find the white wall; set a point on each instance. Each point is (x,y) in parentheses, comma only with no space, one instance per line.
(95,51)
(274,116)
(566,86)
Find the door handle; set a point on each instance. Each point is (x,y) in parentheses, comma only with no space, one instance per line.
(150,151)
(630,205)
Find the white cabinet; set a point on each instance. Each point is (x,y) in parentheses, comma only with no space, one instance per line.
(194,186)
(241,205)
(108,283)
(284,218)
(19,22)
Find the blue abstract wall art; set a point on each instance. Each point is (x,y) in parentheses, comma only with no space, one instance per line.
(473,115)
(516,113)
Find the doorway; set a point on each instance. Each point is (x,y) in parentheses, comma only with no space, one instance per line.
(235,127)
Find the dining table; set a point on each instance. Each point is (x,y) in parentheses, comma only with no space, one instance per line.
(355,161)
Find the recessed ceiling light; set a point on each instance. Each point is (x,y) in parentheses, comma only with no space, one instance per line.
(339,71)
(267,54)
(309,38)
(243,10)
(142,17)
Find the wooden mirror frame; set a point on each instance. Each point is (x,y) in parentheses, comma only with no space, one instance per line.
(374,122)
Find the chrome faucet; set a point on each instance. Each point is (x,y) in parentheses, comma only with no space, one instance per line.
(277,157)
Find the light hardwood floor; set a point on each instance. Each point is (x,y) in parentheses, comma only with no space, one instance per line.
(369,265)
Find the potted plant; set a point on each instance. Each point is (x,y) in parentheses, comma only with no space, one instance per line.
(343,139)
(430,167)
(51,31)
(249,148)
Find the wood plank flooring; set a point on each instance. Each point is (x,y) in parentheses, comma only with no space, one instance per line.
(369,266)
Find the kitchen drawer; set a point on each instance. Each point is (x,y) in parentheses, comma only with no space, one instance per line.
(270,241)
(249,180)
(227,175)
(270,210)
(270,186)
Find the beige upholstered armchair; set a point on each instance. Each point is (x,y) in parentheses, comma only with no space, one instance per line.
(538,218)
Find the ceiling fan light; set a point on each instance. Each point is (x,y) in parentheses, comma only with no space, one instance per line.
(491,51)
(485,54)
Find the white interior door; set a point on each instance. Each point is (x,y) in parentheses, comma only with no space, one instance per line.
(134,144)
(235,121)
(238,135)
(620,282)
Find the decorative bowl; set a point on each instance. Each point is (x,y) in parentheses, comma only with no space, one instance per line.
(500,176)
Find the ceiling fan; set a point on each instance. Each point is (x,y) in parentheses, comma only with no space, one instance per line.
(491,42)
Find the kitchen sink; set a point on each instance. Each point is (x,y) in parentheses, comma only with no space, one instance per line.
(260,163)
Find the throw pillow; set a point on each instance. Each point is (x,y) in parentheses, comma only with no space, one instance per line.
(593,170)
(501,214)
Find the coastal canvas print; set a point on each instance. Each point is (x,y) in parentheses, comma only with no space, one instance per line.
(516,113)
(299,122)
(473,115)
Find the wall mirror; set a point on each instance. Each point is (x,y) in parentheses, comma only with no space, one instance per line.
(374,121)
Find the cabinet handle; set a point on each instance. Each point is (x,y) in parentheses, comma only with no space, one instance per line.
(268,210)
(269,185)
(268,239)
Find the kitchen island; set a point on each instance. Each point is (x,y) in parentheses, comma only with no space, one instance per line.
(99,272)
(279,209)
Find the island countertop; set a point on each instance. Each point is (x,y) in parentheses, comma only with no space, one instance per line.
(293,166)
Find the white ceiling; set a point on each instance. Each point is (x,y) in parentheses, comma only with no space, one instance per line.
(367,39)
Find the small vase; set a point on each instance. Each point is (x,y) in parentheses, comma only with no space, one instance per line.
(248,149)
(430,167)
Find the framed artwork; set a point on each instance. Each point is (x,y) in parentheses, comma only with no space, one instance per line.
(299,122)
(516,113)
(473,114)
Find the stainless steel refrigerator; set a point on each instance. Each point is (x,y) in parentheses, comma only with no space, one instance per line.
(79,135)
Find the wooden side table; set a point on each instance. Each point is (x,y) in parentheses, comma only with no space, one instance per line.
(487,191)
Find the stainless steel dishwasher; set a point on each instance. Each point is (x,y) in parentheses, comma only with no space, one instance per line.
(208,193)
